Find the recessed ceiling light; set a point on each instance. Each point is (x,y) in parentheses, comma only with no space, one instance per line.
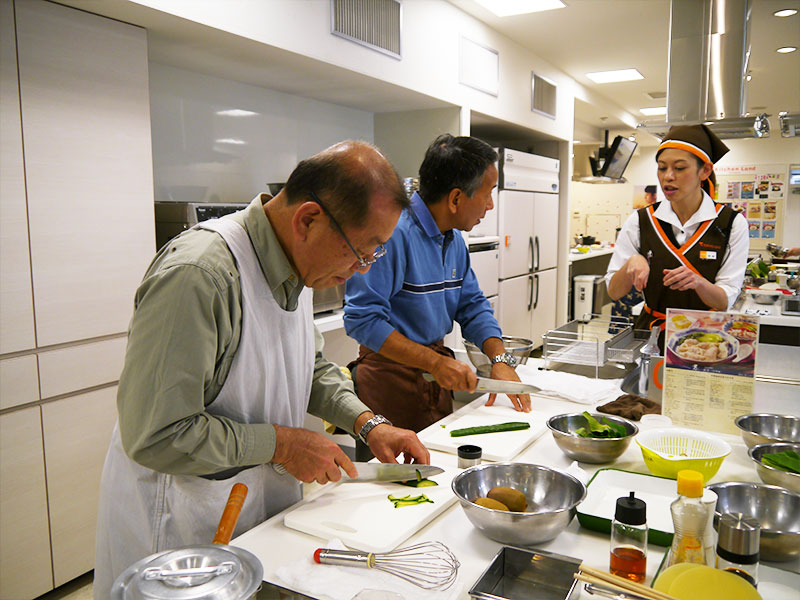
(234,141)
(749,77)
(614,76)
(506,8)
(236,112)
(786,49)
(786,12)
(576,141)
(655,110)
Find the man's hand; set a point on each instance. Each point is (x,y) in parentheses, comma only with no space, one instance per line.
(387,443)
(310,456)
(454,375)
(637,269)
(501,371)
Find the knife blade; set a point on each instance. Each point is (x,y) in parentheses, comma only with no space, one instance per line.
(392,472)
(486,385)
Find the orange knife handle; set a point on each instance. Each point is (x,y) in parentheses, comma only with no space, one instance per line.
(231,514)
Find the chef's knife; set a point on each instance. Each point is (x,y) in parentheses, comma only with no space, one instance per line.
(374,471)
(487,385)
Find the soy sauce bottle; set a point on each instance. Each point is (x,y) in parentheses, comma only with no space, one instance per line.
(738,546)
(629,539)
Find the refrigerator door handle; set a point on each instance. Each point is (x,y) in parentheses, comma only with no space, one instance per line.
(536,302)
(530,291)
(530,254)
(538,254)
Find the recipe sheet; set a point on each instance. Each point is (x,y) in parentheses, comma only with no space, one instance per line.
(709,373)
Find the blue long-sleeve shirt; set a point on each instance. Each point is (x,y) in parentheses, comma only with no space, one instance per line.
(419,288)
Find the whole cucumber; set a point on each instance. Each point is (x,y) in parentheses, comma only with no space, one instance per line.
(510,426)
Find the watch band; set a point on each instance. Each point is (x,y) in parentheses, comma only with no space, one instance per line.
(506,357)
(372,424)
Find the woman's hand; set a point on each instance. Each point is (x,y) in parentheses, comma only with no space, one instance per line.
(682,278)
(637,269)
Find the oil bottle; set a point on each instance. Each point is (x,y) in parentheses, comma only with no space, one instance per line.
(689,518)
(629,539)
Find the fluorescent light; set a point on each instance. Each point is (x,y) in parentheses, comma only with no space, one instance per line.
(786,49)
(506,8)
(576,141)
(749,77)
(614,76)
(234,141)
(655,110)
(786,12)
(236,112)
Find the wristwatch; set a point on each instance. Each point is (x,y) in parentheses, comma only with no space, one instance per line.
(506,357)
(370,425)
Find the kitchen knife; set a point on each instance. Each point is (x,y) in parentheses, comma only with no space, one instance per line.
(374,471)
(486,385)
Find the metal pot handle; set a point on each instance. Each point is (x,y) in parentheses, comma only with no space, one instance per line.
(165,574)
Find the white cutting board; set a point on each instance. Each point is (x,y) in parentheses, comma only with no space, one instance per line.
(363,518)
(501,446)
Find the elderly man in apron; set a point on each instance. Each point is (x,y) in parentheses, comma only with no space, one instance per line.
(400,310)
(223,361)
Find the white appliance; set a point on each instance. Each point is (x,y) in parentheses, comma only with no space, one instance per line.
(584,291)
(528,230)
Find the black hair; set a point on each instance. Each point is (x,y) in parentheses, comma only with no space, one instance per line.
(344,183)
(700,164)
(453,162)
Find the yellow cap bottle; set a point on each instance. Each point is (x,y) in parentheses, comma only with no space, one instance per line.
(690,483)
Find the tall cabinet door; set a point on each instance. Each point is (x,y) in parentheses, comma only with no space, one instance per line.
(516,235)
(515,301)
(86,123)
(543,318)
(16,296)
(545,230)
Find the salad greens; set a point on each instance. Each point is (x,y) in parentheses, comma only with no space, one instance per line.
(714,338)
(607,429)
(788,460)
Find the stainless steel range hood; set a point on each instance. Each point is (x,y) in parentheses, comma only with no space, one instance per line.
(709,51)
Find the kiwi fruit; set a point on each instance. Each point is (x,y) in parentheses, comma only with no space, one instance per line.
(513,499)
(489,503)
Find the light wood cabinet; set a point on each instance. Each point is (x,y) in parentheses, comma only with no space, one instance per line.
(77,431)
(16,296)
(25,568)
(88,163)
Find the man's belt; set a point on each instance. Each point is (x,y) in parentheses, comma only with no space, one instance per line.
(227,473)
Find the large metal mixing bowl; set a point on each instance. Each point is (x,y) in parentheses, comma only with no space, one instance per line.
(762,428)
(775,508)
(519,347)
(589,450)
(552,500)
(790,481)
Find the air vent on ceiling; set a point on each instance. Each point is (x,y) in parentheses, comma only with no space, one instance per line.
(543,96)
(375,24)
(656,95)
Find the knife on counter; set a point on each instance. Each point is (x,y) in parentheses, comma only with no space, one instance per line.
(374,471)
(487,385)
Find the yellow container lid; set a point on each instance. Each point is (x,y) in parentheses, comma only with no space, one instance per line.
(690,483)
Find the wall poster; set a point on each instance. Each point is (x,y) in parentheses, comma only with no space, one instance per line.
(709,374)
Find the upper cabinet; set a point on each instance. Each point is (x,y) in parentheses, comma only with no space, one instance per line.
(16,297)
(88,164)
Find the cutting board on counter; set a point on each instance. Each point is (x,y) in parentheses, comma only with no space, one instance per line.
(496,446)
(363,518)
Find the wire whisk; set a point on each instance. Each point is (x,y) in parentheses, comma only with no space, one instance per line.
(429,565)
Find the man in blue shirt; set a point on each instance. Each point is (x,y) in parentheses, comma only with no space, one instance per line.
(401,309)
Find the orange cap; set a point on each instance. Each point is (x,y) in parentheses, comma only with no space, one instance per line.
(690,483)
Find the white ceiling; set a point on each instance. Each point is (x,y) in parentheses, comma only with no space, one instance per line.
(601,35)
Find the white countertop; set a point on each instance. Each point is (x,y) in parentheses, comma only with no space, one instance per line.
(773,318)
(276,545)
(593,253)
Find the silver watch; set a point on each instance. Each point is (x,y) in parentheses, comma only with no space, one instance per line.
(370,425)
(506,357)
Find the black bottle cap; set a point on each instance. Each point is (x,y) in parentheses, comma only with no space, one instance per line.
(631,511)
(469,451)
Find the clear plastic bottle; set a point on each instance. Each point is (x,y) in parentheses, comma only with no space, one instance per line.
(629,539)
(689,519)
(738,547)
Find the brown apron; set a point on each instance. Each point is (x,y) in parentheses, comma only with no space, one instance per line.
(398,392)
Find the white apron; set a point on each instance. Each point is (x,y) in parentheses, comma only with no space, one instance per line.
(142,511)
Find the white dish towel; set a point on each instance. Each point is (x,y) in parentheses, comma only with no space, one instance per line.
(583,390)
(332,582)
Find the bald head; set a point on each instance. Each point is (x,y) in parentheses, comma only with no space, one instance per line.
(345,176)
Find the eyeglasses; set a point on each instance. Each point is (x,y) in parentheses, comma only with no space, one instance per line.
(363,262)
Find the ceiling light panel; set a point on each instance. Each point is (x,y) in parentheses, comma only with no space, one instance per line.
(786,49)
(654,110)
(506,8)
(615,76)
(786,12)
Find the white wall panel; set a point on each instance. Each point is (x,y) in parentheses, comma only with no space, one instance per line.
(19,381)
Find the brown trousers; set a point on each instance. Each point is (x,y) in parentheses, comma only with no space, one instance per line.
(398,392)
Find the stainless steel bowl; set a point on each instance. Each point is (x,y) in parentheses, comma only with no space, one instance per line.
(552,500)
(589,450)
(772,475)
(761,428)
(775,508)
(519,347)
